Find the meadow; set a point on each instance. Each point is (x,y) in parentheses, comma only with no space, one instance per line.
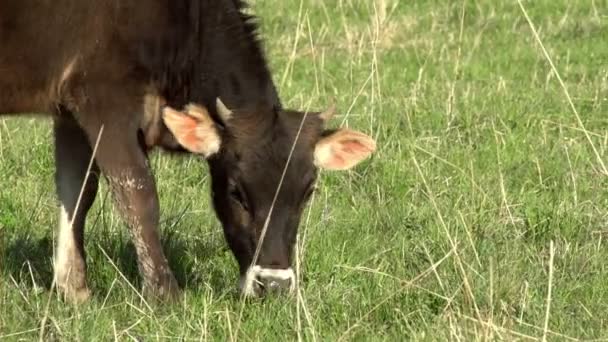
(481,216)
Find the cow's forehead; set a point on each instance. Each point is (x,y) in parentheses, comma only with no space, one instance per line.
(271,155)
(261,152)
(272,136)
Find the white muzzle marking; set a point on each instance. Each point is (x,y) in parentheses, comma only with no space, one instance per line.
(250,285)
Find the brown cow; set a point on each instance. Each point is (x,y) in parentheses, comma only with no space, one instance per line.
(141,74)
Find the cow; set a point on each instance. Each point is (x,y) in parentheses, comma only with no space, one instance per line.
(121,77)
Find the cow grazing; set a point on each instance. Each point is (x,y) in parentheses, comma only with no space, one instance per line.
(186,76)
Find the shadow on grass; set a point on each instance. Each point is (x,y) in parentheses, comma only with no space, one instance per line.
(28,260)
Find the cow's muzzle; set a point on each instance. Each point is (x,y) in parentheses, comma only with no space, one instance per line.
(258,281)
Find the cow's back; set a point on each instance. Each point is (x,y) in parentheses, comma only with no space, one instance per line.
(47,48)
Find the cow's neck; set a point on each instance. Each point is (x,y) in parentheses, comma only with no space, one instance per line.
(229,61)
(218,56)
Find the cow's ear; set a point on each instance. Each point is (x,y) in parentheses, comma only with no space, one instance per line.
(193,129)
(343,149)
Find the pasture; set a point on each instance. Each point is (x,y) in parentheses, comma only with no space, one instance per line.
(482,215)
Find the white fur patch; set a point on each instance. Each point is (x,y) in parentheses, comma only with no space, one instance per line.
(212,140)
(322,153)
(250,285)
(65,247)
(151,124)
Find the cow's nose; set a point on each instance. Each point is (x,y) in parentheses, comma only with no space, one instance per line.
(272,284)
(273,280)
(258,281)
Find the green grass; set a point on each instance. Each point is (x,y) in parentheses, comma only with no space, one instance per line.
(481,166)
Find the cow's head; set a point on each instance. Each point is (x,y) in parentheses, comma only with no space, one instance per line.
(248,153)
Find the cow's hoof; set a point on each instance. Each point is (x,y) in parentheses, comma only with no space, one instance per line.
(75,296)
(170,291)
(162,294)
(165,290)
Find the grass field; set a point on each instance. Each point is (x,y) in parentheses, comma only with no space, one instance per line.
(482,216)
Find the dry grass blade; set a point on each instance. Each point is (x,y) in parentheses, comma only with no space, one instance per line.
(565,89)
(406,284)
(550,332)
(446,231)
(260,242)
(299,254)
(125,278)
(548,309)
(468,88)
(18,333)
(454,166)
(499,328)
(86,178)
(294,50)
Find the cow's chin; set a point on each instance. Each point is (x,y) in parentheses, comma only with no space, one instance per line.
(259,281)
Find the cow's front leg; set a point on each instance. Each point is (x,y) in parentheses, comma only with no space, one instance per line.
(136,197)
(124,163)
(72,156)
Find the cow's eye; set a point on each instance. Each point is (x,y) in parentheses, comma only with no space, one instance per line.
(238,196)
(309,191)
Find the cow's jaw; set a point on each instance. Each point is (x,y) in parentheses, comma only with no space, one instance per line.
(251,284)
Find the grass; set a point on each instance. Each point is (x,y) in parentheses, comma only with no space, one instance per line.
(481,217)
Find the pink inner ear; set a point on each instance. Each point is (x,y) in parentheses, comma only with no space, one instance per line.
(190,140)
(343,149)
(353,146)
(338,161)
(188,133)
(189,122)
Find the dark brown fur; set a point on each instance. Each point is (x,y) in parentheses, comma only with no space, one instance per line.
(115,64)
